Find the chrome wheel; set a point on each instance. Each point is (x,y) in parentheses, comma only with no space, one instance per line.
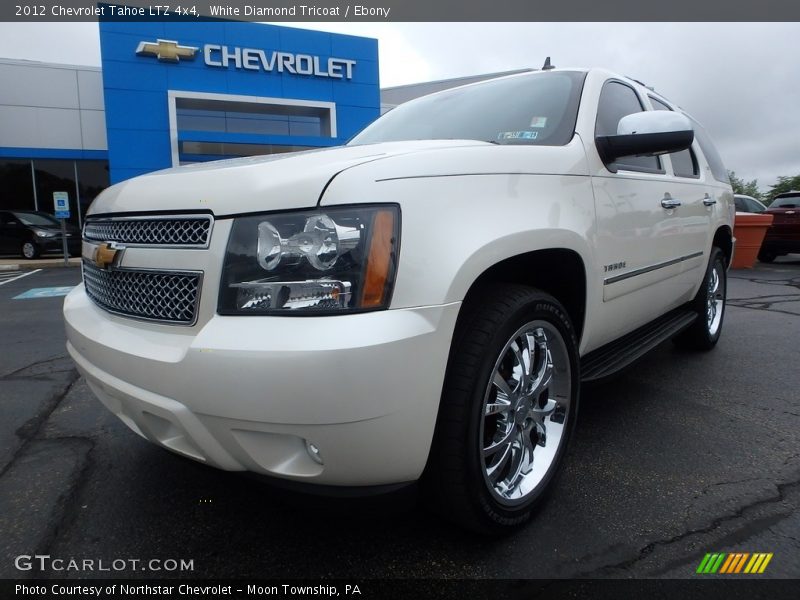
(715,298)
(524,412)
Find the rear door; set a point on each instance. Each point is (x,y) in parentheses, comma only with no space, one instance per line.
(697,204)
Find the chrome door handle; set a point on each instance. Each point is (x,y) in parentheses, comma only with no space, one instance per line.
(669,202)
(709,201)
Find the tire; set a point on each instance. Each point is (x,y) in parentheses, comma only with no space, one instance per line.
(476,472)
(766,256)
(30,250)
(709,304)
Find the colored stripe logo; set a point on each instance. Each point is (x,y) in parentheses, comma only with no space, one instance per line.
(734,562)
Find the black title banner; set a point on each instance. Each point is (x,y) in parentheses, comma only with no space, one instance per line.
(403,10)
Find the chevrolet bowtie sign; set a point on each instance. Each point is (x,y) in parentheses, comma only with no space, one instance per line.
(251,59)
(166,50)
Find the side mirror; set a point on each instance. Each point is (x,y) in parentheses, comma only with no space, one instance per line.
(646,133)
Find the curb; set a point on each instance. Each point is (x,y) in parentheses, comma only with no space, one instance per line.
(39,264)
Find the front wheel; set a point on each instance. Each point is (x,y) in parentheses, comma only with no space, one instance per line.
(508,408)
(30,250)
(709,303)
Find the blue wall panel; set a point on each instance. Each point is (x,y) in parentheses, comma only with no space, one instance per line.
(136,87)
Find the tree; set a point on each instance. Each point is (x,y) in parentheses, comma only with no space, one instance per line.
(785,184)
(749,188)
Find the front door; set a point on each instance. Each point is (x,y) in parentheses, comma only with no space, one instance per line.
(640,225)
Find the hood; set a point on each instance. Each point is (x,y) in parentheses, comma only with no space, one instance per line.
(259,183)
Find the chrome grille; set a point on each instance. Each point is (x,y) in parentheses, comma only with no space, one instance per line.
(188,231)
(168,296)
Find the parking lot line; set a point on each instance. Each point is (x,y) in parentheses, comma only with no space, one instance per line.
(47,292)
(19,276)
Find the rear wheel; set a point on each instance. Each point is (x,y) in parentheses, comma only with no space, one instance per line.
(508,408)
(30,250)
(709,303)
(766,256)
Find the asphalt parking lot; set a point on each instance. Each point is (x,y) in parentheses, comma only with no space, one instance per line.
(684,455)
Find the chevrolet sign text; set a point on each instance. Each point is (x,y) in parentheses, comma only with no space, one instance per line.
(254,59)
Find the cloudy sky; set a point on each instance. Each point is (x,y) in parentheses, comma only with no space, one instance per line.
(741,80)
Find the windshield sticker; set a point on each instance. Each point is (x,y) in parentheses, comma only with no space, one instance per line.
(517,135)
(539,122)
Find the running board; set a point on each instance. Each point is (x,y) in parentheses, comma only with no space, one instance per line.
(617,355)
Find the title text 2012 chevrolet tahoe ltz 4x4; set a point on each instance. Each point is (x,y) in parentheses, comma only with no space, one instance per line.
(422,303)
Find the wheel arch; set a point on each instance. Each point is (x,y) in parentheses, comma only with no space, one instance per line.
(560,272)
(723,239)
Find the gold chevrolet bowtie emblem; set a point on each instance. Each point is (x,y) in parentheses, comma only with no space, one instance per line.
(166,50)
(105,254)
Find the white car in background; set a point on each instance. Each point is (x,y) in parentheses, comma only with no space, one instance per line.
(748,204)
(422,303)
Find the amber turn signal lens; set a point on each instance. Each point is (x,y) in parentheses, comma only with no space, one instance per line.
(378,260)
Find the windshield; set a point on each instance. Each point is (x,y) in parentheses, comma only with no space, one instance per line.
(787,202)
(532,109)
(37,219)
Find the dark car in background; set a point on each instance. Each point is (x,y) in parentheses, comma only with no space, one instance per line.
(783,236)
(31,233)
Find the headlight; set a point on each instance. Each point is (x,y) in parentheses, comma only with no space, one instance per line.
(44,234)
(320,262)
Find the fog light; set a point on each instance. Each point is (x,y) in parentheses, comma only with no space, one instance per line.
(313,452)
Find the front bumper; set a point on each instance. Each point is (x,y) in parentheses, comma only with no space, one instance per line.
(249,393)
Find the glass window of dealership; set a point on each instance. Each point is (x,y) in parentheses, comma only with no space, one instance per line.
(176,93)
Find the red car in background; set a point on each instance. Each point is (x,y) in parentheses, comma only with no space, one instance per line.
(783,236)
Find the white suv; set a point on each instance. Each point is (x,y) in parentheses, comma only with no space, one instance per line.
(422,303)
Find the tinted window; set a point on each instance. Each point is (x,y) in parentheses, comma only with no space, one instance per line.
(710,152)
(16,184)
(786,202)
(92,179)
(56,176)
(616,101)
(537,109)
(38,219)
(747,204)
(684,163)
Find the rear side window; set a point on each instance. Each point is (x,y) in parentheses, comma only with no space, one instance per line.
(710,152)
(792,201)
(616,101)
(684,163)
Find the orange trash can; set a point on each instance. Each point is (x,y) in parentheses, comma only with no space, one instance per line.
(749,230)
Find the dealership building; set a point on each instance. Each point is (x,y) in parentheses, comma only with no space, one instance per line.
(176,93)
(169,94)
